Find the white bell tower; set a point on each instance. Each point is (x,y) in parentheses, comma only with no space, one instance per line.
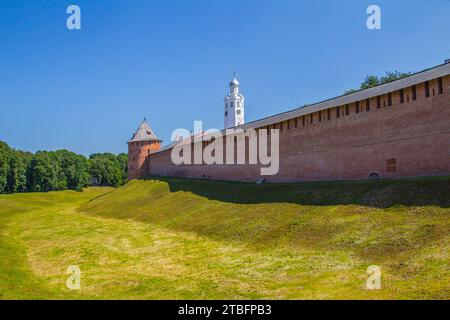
(234,106)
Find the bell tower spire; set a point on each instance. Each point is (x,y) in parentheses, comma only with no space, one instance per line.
(234,105)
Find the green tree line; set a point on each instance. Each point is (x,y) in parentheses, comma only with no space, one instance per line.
(43,171)
(373,80)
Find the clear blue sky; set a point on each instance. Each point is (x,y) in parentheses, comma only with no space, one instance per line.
(87,90)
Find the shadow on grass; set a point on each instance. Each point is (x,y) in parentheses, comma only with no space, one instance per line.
(100,196)
(427,191)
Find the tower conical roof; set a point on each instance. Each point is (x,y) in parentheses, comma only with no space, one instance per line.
(144,133)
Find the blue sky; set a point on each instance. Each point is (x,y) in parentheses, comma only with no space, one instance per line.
(87,90)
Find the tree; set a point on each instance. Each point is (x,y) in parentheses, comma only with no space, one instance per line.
(58,170)
(44,173)
(75,169)
(123,161)
(4,165)
(107,169)
(370,81)
(391,76)
(17,176)
(373,80)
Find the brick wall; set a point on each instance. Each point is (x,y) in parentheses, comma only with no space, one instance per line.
(392,139)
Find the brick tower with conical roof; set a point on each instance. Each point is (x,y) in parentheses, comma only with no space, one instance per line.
(143,142)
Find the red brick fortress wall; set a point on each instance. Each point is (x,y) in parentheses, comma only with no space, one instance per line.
(404,133)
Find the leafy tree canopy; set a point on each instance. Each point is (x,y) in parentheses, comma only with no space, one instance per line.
(58,170)
(373,80)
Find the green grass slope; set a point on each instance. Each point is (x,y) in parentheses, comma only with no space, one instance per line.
(187,239)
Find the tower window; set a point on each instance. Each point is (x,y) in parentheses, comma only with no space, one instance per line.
(414,92)
(440,86)
(378,102)
(402,96)
(357,107)
(427,89)
(231,105)
(367,104)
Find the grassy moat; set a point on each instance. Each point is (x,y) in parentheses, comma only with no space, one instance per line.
(194,239)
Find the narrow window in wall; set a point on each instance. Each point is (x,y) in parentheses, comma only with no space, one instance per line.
(347,110)
(427,89)
(378,102)
(389,99)
(357,107)
(281,126)
(414,92)
(338,114)
(402,96)
(295,122)
(391,165)
(288,124)
(367,104)
(440,86)
(320,116)
(303,119)
(311,118)
(328,114)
